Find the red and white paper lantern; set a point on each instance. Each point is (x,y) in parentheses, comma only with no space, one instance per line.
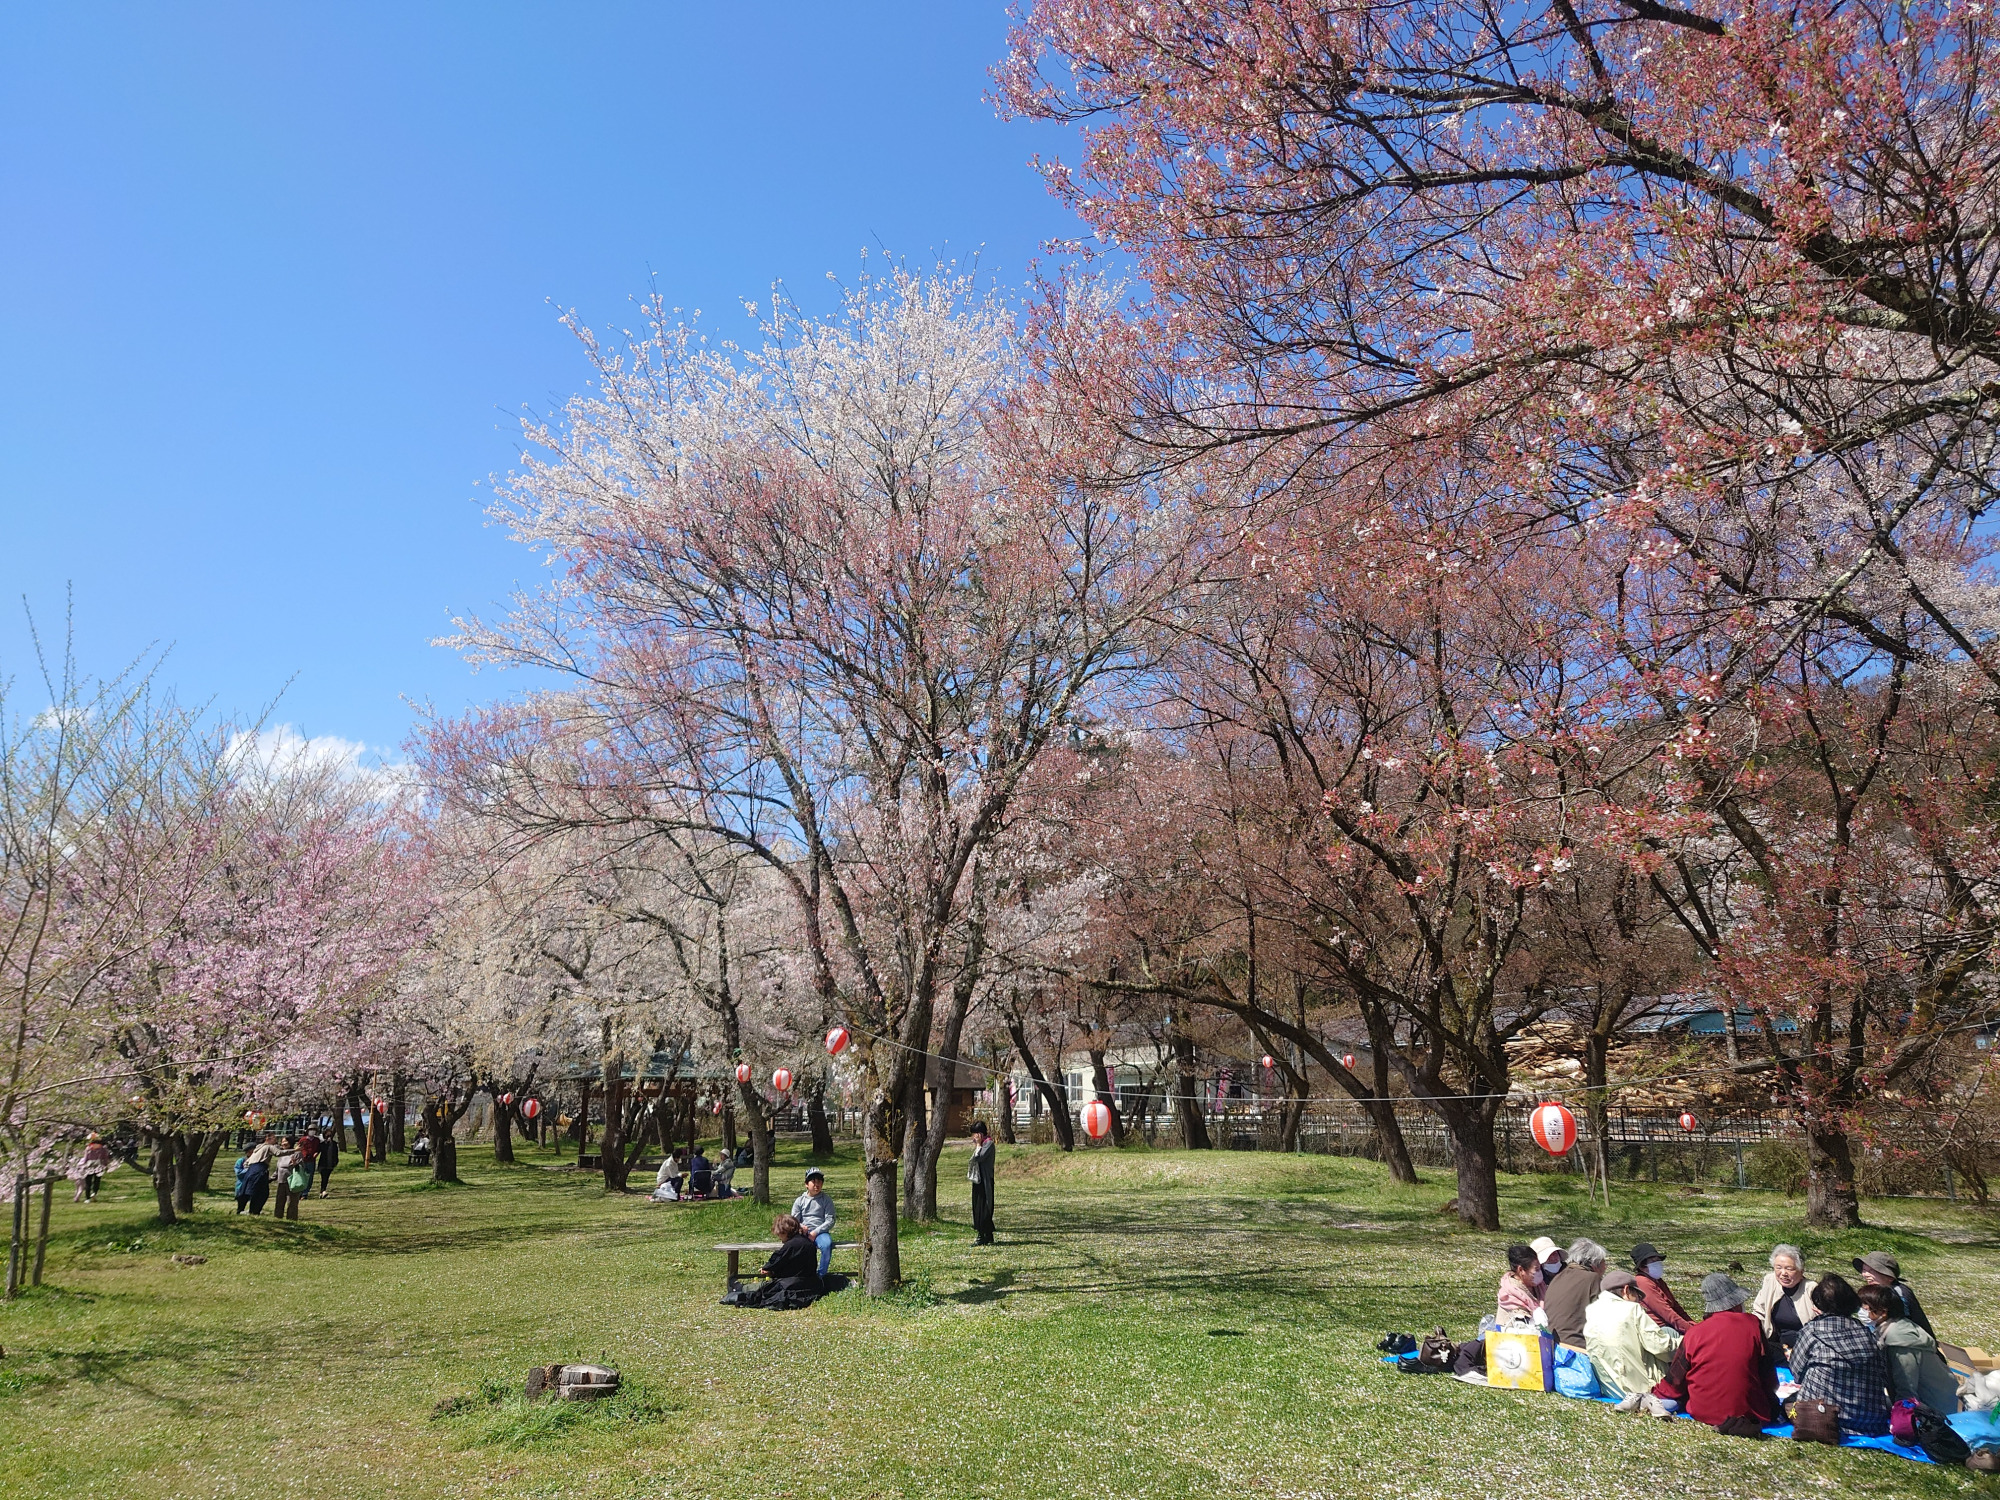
(1096,1119)
(1347,1061)
(1267,1062)
(1553,1127)
(530,1108)
(1689,1122)
(743,1072)
(718,1107)
(836,1041)
(506,1098)
(254,1120)
(782,1080)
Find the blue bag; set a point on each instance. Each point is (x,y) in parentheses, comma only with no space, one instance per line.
(1575,1374)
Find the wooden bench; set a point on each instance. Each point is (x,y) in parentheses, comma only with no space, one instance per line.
(735,1252)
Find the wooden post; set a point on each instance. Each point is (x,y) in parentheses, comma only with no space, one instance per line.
(14,1240)
(583,1123)
(42,1238)
(368,1144)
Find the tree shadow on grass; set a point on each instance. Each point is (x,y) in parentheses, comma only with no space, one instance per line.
(982,1292)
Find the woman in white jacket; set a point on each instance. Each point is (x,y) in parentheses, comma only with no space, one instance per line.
(1784,1303)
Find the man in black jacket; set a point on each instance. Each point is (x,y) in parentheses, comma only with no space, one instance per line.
(980,1175)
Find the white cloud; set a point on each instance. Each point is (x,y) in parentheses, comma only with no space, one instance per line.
(281,750)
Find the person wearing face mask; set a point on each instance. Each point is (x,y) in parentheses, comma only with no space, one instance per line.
(1521,1287)
(1649,1270)
(1548,1256)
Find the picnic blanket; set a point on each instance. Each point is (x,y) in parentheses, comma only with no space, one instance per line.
(1976,1427)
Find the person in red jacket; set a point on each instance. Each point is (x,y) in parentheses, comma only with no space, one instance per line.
(1723,1374)
(1649,1269)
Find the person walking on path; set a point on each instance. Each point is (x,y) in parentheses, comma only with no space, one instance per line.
(980,1175)
(97,1160)
(814,1211)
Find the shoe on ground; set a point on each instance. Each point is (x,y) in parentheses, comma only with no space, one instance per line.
(1627,1403)
(1652,1406)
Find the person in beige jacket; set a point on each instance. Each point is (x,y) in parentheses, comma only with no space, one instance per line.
(1630,1350)
(1784,1303)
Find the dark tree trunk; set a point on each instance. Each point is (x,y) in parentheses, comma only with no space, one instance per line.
(165,1161)
(1003,1105)
(916,1125)
(728,1127)
(1395,1151)
(503,1123)
(611,1152)
(758,1118)
(192,1157)
(358,1116)
(1476,1158)
(881,1256)
(1187,1105)
(1059,1118)
(441,1117)
(1100,1079)
(397,1104)
(816,1121)
(930,1146)
(204,1166)
(1831,1199)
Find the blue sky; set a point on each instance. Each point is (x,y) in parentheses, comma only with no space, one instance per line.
(277,279)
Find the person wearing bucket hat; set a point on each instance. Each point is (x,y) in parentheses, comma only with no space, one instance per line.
(1649,1268)
(1723,1374)
(1629,1349)
(1880,1268)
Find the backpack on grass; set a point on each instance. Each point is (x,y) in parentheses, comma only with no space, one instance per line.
(1916,1425)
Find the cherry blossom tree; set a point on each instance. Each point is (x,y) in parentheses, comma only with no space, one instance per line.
(273,905)
(828,601)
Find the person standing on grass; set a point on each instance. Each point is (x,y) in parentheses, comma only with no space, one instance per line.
(814,1211)
(291,1177)
(980,1175)
(329,1154)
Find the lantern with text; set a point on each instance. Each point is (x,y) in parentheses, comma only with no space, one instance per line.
(530,1108)
(836,1041)
(1689,1122)
(1553,1127)
(1096,1119)
(743,1072)
(782,1080)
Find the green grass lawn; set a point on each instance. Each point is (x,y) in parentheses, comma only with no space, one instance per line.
(1152,1324)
